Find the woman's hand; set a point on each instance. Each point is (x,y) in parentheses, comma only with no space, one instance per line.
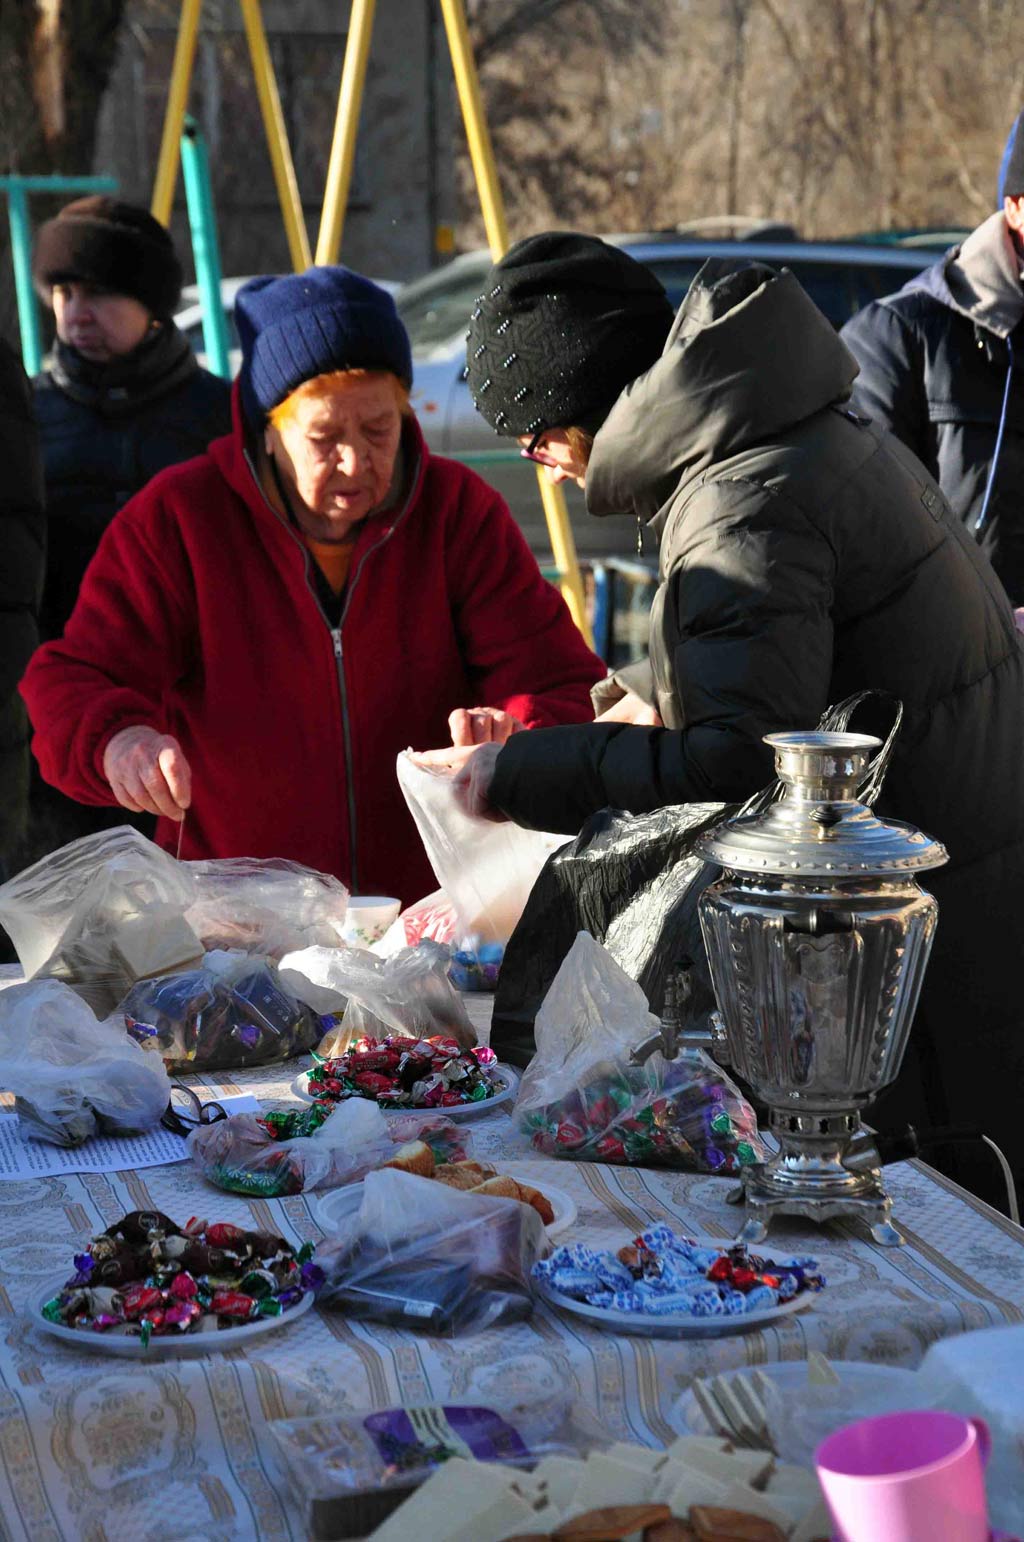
(472,770)
(631,709)
(148,773)
(482,725)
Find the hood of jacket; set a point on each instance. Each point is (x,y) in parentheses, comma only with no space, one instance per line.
(749,357)
(981,279)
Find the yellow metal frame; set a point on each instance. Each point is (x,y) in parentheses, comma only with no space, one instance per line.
(169,157)
(339,181)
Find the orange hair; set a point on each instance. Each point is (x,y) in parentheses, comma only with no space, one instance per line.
(330,384)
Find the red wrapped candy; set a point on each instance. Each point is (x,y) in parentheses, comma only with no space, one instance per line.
(224,1235)
(232,1303)
(720,1270)
(569,1134)
(141,1300)
(373,1082)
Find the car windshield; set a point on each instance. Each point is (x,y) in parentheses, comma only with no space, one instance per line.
(438,308)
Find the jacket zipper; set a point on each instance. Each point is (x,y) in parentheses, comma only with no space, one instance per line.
(346,729)
(336,643)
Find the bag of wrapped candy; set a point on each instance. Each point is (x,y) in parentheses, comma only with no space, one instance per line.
(422,1255)
(232,1012)
(266,905)
(487,870)
(294,1152)
(101,913)
(72,1076)
(408,995)
(582,1097)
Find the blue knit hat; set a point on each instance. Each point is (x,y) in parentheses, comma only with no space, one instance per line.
(306,324)
(1011,167)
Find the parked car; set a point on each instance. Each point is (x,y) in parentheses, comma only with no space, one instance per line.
(840,278)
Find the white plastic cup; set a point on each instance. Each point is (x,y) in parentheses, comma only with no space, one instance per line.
(367,919)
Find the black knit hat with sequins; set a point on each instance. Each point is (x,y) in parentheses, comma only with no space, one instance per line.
(565,322)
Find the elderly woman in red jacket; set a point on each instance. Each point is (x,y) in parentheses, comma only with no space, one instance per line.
(264,628)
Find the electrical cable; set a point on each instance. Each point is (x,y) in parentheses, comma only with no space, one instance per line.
(901,1145)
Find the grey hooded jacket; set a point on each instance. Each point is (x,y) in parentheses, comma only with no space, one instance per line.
(805,555)
(942,366)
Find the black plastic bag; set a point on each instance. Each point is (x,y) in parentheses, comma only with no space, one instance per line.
(632,881)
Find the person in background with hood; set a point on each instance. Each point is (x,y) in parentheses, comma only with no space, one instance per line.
(805,554)
(266,628)
(942,366)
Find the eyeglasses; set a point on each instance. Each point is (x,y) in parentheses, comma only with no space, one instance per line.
(538,456)
(185,1111)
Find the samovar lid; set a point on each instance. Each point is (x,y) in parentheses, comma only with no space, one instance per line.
(817,828)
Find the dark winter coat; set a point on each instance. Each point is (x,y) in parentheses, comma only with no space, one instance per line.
(106,431)
(804,555)
(23,534)
(937,361)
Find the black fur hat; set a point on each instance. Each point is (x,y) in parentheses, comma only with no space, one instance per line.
(102,241)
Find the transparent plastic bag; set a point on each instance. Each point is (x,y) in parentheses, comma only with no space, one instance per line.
(409,995)
(431,919)
(234,1011)
(98,912)
(422,1255)
(243,1154)
(265,905)
(73,1076)
(581,1097)
(349,1471)
(487,869)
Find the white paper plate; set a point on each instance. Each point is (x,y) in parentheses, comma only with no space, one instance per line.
(179,1347)
(647,1325)
(333,1209)
(506,1078)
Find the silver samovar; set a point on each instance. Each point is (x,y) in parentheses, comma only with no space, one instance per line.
(817,937)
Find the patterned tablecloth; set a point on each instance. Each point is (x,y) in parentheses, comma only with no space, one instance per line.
(99,1450)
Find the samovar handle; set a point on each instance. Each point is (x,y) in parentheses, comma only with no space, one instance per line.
(836,720)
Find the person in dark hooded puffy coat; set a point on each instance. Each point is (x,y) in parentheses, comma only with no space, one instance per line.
(804,554)
(942,366)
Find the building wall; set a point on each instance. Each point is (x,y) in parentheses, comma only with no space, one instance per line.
(403,187)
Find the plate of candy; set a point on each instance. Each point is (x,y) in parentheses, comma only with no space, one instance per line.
(147,1288)
(400,1074)
(665,1285)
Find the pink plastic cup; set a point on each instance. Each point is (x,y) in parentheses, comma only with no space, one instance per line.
(907,1477)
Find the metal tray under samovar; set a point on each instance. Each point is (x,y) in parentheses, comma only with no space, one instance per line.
(817,937)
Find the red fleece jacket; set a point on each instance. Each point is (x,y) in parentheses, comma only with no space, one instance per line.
(198,617)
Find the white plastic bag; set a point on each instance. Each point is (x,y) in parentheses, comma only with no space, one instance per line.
(77,914)
(265,905)
(581,1097)
(408,994)
(239,1154)
(73,1076)
(487,869)
(446,1262)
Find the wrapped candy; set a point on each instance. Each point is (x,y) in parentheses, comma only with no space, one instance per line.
(664,1274)
(399,1073)
(171,1280)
